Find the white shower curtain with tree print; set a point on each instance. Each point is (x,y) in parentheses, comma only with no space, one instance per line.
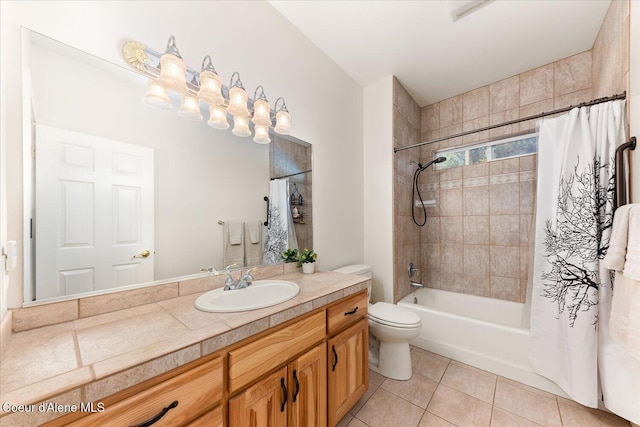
(573,223)
(281,234)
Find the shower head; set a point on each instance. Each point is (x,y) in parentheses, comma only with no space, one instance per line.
(437,160)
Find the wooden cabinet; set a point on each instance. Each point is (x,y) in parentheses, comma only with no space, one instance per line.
(308,389)
(213,418)
(173,402)
(264,404)
(348,371)
(294,396)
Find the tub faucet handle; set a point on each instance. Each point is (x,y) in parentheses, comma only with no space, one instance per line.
(411,270)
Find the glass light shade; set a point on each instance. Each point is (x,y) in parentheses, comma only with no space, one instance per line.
(210,88)
(157,96)
(238,102)
(261,113)
(241,126)
(190,108)
(283,123)
(218,117)
(262,135)
(173,73)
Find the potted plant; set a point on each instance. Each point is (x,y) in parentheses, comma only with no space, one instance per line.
(290,255)
(307,259)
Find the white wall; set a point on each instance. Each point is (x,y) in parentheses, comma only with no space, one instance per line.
(249,37)
(378,191)
(634,97)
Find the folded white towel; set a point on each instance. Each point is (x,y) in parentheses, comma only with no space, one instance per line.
(255,231)
(624,322)
(617,252)
(632,261)
(235,233)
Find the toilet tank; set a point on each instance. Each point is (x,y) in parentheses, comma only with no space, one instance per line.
(359,270)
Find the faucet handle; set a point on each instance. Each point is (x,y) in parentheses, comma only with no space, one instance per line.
(211,270)
(231,265)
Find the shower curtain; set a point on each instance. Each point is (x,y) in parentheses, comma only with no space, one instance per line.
(571,292)
(280,232)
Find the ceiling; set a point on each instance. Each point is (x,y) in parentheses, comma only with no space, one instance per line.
(435,57)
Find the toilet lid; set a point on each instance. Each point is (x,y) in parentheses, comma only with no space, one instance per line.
(392,315)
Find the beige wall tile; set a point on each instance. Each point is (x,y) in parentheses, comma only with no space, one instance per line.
(476,230)
(451,229)
(42,315)
(473,124)
(572,74)
(505,230)
(430,118)
(505,288)
(452,280)
(451,111)
(430,233)
(533,109)
(475,171)
(92,306)
(504,198)
(451,202)
(477,284)
(572,99)
(526,221)
(452,256)
(499,167)
(476,260)
(450,131)
(536,85)
(504,95)
(475,103)
(476,200)
(527,196)
(505,261)
(528,163)
(504,117)
(431,255)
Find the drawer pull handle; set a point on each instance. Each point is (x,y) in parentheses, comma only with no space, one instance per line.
(349,313)
(157,417)
(295,380)
(335,355)
(284,394)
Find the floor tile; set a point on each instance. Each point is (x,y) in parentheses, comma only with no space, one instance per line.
(417,390)
(470,382)
(573,416)
(344,422)
(502,418)
(430,420)
(459,408)
(530,405)
(356,423)
(367,395)
(375,378)
(428,364)
(384,409)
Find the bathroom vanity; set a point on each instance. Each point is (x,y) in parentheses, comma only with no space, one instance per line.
(300,363)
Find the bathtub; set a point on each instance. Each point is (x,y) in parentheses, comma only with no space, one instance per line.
(483,332)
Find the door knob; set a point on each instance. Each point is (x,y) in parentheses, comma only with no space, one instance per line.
(143,254)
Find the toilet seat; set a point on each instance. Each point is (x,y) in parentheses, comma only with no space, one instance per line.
(394,316)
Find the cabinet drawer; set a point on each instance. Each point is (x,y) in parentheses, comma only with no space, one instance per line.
(264,354)
(346,312)
(196,391)
(210,419)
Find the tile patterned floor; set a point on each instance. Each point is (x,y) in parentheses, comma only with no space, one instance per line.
(445,393)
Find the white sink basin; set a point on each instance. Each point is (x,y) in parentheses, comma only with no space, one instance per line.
(260,294)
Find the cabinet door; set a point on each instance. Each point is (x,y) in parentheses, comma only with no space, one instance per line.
(308,389)
(348,369)
(264,404)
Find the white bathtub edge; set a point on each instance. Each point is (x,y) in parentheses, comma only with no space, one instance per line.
(490,364)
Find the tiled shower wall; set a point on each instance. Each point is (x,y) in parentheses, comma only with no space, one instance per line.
(476,239)
(286,157)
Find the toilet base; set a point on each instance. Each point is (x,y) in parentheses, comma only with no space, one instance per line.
(394,361)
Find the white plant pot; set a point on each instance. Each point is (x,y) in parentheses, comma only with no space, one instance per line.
(308,267)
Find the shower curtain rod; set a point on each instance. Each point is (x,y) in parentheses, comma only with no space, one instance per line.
(292,174)
(622,95)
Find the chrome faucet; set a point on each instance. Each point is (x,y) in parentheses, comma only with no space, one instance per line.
(230,283)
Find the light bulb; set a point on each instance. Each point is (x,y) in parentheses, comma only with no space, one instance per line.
(261,113)
(157,96)
(262,134)
(283,123)
(210,88)
(241,126)
(173,73)
(238,102)
(190,108)
(218,117)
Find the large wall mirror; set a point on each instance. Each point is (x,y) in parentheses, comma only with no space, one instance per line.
(119,194)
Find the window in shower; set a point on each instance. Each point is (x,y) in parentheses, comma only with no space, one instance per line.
(487,151)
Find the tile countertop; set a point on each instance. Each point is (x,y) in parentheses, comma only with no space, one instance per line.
(90,358)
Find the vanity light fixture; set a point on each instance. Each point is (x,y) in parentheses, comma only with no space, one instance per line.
(218,117)
(157,95)
(241,126)
(167,72)
(283,119)
(173,72)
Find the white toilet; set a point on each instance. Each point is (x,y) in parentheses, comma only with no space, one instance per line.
(390,329)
